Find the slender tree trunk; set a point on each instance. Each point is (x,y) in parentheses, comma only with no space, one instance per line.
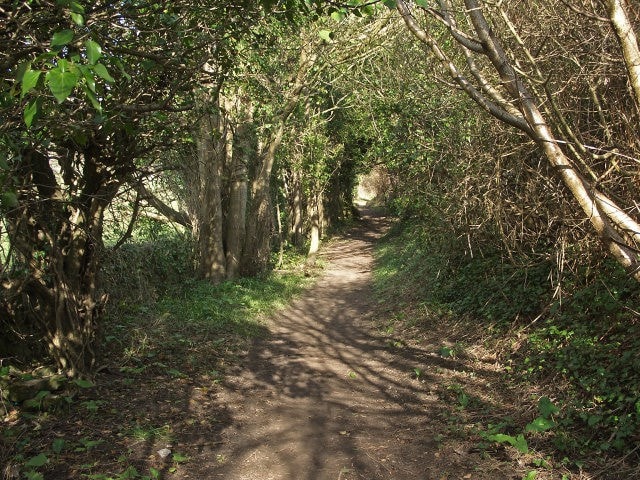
(296,208)
(238,190)
(258,238)
(617,11)
(210,158)
(281,238)
(314,233)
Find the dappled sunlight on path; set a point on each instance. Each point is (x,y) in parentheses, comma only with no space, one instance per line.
(326,396)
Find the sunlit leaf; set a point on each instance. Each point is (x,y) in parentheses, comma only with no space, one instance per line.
(94,51)
(77,18)
(61,38)
(540,424)
(179,458)
(521,444)
(102,72)
(29,81)
(338,15)
(325,35)
(62,80)
(76,7)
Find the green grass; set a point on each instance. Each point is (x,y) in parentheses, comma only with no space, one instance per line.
(231,307)
(160,317)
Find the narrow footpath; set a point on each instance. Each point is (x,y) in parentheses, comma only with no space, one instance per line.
(325,396)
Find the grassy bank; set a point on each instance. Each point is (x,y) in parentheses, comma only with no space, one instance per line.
(579,348)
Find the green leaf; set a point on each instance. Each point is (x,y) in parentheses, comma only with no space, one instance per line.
(179,458)
(83,383)
(531,475)
(29,81)
(390,3)
(102,72)
(77,18)
(521,444)
(76,7)
(338,15)
(8,200)
(422,3)
(94,51)
(37,461)
(540,424)
(31,475)
(445,352)
(61,38)
(42,394)
(30,111)
(518,442)
(501,438)
(547,408)
(62,80)
(58,445)
(325,35)
(130,473)
(90,80)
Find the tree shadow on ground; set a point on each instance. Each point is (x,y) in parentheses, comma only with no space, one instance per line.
(329,396)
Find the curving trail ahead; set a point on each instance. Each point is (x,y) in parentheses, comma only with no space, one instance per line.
(325,396)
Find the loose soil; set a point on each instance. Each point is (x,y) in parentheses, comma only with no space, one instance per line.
(329,394)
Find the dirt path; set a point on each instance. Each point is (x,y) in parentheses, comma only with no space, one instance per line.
(326,396)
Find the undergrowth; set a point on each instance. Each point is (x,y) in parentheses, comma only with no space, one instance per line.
(581,347)
(165,342)
(159,306)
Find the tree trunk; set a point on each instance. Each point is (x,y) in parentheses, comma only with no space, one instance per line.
(238,190)
(314,233)
(210,158)
(617,11)
(296,208)
(258,239)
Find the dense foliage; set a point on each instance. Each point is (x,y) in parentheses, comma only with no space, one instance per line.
(226,134)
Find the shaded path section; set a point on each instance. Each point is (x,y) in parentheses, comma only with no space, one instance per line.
(326,396)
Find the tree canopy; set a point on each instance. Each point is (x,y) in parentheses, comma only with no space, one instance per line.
(509,129)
